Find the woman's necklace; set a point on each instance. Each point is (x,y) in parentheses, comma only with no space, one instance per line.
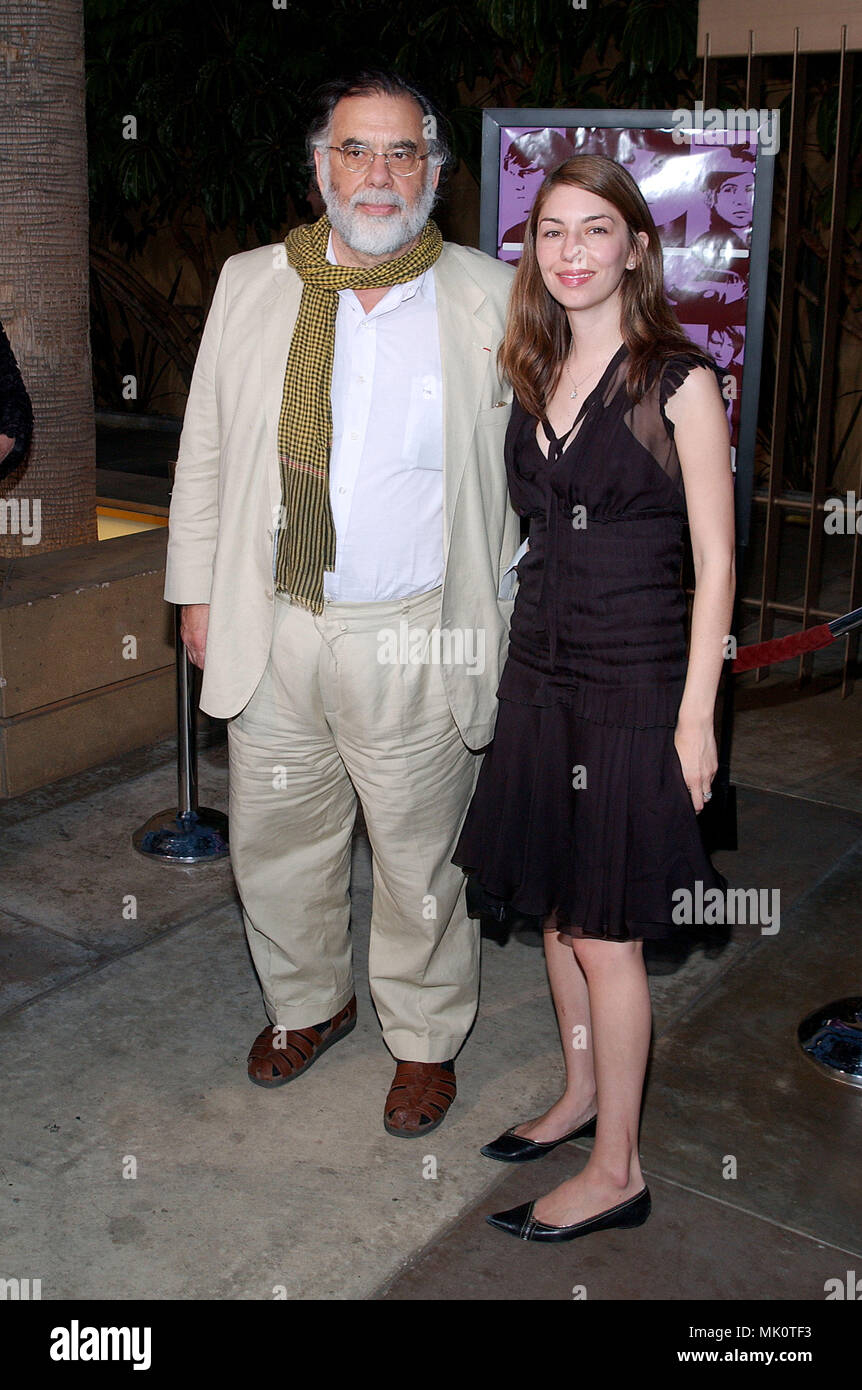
(575,384)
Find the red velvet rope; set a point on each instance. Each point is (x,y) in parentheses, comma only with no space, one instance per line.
(783,648)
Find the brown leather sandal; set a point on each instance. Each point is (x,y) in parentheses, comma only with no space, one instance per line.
(419,1098)
(269,1065)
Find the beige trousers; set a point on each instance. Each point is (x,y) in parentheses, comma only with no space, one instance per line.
(329,721)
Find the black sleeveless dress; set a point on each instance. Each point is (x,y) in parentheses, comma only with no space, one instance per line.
(581,806)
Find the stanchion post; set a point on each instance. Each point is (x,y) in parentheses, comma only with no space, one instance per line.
(192,834)
(187,748)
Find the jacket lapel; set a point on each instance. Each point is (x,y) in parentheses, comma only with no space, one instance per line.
(467,346)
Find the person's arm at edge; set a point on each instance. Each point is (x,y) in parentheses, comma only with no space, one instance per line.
(16,412)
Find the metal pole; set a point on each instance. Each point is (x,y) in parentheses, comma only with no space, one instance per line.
(191,834)
(187,752)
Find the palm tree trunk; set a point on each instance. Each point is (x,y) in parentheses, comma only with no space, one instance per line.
(44,268)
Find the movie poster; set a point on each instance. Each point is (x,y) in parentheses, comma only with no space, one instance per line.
(700,191)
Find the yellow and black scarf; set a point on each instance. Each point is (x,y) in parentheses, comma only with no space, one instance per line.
(306,541)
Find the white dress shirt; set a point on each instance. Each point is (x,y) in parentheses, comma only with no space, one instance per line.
(386,464)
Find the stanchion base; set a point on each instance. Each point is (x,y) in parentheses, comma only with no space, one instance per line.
(192,838)
(831,1038)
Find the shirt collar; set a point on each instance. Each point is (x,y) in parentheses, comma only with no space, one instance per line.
(391,299)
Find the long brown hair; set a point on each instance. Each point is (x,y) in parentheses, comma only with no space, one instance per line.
(538,337)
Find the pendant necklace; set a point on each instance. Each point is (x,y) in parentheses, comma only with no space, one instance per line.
(575,384)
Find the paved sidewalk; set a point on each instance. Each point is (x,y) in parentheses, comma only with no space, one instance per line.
(138,1162)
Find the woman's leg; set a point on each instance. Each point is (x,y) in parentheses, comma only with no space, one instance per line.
(577,1104)
(621,1016)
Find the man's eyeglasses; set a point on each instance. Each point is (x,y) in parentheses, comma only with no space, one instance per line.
(358,158)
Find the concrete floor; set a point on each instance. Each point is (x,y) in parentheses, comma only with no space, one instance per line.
(139,1162)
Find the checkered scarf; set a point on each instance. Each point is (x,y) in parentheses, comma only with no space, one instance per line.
(306,540)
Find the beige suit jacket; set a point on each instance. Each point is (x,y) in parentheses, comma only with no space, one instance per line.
(227,492)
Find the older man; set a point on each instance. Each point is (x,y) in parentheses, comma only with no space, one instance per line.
(339,533)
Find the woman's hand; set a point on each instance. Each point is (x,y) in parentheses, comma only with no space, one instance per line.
(698,755)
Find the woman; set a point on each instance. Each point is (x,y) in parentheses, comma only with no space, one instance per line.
(604,752)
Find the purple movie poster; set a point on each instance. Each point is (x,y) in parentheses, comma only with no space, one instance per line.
(701,195)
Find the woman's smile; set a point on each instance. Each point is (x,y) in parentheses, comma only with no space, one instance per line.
(572,278)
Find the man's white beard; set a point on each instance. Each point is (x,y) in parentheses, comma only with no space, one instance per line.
(375,236)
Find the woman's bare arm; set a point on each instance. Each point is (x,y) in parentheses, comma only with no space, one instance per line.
(703,444)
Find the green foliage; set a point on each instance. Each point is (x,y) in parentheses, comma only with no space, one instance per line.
(219,88)
(213,89)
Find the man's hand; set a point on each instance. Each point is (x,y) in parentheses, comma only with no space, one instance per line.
(194,622)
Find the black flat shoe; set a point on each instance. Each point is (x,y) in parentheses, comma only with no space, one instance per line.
(514,1148)
(520,1221)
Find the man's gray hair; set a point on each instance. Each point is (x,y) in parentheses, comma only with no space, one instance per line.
(366,83)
